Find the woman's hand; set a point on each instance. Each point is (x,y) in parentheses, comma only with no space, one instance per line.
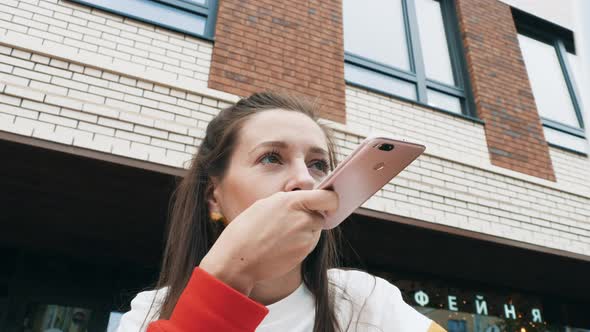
(269,238)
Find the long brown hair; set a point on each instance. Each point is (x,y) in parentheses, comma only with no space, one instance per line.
(191,233)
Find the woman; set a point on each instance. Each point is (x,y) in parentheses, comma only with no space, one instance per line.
(245,249)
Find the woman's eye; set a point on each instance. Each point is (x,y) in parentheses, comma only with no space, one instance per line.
(275,158)
(270,157)
(321,165)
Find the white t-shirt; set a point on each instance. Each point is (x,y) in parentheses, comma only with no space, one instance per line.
(372,302)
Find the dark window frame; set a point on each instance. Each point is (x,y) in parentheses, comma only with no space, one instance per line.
(562,41)
(207,11)
(417,73)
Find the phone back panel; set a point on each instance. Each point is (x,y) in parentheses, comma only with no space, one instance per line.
(364,172)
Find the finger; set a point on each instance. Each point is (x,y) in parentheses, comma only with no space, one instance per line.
(315,200)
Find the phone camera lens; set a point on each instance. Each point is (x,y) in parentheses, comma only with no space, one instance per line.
(386,147)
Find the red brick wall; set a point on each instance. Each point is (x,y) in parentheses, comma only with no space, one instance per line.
(281,45)
(502,91)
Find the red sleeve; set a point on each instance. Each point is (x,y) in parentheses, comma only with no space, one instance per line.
(207,304)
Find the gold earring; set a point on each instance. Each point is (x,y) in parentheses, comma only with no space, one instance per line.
(217,217)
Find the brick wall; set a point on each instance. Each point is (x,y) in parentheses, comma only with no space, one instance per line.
(443,134)
(449,193)
(91,36)
(63,97)
(571,170)
(286,45)
(502,90)
(455,184)
(82,106)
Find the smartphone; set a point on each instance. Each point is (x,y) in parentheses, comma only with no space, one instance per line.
(367,169)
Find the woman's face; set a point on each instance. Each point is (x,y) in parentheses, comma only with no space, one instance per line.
(276,150)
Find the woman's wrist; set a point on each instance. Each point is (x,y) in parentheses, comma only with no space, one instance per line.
(229,275)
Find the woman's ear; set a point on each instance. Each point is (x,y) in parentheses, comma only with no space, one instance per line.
(213,196)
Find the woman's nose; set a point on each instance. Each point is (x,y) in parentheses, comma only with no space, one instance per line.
(300,178)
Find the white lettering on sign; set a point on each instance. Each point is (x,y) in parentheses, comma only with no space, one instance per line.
(421,298)
(509,311)
(481,307)
(536,315)
(453,303)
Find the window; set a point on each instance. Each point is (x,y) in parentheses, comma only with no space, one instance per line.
(194,17)
(455,325)
(548,54)
(53,317)
(408,49)
(114,321)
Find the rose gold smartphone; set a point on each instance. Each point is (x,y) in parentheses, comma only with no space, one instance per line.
(367,169)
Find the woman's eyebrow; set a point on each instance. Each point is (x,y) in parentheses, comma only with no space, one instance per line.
(284,145)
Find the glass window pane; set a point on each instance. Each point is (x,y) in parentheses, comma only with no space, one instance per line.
(53,317)
(198,2)
(443,101)
(547,81)
(375,30)
(157,13)
(114,320)
(379,82)
(433,41)
(574,65)
(565,140)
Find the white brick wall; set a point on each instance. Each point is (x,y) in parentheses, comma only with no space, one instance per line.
(571,169)
(92,36)
(443,134)
(449,137)
(100,110)
(454,183)
(445,192)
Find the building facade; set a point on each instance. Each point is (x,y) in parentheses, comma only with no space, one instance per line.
(103,103)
